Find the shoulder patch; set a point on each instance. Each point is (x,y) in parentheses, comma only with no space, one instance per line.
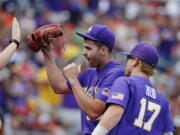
(105,92)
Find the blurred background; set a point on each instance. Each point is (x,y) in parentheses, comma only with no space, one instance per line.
(28,105)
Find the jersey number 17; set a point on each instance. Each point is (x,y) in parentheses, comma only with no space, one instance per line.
(151,106)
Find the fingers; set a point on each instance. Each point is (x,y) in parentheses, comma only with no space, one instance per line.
(79,67)
(16,30)
(46,52)
(71,70)
(69,67)
(66,70)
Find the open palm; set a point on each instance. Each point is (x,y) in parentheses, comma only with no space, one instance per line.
(16,34)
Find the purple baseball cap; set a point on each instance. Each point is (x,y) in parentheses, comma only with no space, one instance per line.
(101,34)
(145,52)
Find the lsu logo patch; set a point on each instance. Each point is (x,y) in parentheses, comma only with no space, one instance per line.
(119,96)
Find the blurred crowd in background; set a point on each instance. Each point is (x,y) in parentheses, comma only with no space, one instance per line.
(28,105)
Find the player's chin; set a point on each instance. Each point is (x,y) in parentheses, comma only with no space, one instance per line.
(92,65)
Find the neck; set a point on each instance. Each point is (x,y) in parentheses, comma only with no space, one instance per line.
(103,63)
(139,73)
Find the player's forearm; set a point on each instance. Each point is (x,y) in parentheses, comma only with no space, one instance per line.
(109,120)
(92,107)
(55,76)
(6,54)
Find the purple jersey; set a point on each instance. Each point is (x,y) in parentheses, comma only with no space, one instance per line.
(146,110)
(97,85)
(69,101)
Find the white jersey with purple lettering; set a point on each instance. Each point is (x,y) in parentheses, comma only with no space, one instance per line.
(97,85)
(146,111)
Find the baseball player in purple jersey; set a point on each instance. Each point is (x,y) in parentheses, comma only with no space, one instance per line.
(90,87)
(135,107)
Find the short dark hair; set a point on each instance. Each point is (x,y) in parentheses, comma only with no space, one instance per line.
(100,45)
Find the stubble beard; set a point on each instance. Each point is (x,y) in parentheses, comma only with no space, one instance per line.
(92,65)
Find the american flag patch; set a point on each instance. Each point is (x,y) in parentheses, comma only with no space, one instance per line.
(117,96)
(105,92)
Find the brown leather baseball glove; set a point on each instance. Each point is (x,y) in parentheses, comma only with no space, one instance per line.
(43,36)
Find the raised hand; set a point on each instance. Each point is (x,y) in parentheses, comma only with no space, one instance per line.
(71,71)
(14,42)
(16,34)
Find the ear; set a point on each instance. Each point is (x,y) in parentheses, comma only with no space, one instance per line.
(135,62)
(103,50)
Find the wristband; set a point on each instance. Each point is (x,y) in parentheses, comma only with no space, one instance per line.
(99,130)
(15,41)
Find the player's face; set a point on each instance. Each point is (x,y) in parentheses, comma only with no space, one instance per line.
(91,52)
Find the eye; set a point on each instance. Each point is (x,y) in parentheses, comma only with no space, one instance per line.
(87,48)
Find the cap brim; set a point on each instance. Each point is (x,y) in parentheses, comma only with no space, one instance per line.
(124,53)
(86,35)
